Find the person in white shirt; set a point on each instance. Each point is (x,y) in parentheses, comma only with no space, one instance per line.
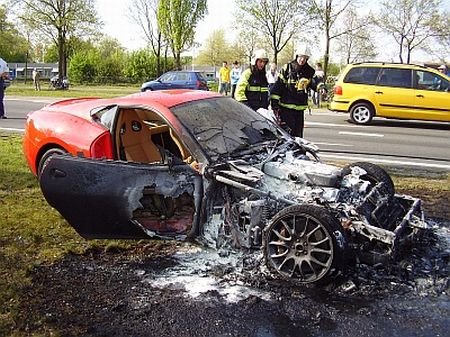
(272,76)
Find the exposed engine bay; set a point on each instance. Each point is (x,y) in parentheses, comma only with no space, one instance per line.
(306,215)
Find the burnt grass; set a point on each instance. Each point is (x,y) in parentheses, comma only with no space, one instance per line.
(103,293)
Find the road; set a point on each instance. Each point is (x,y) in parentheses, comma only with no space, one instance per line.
(390,142)
(412,143)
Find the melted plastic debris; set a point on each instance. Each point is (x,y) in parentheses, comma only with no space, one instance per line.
(423,268)
(201,271)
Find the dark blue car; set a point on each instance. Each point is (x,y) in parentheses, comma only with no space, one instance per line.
(177,80)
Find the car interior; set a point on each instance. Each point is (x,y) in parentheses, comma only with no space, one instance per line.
(144,137)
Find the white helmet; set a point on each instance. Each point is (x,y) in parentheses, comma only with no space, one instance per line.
(303,51)
(259,54)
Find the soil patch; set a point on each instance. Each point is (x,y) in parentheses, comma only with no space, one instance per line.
(122,293)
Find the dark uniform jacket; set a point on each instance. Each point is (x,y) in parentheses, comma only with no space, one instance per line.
(290,90)
(252,89)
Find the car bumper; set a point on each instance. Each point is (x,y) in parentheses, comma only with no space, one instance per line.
(342,106)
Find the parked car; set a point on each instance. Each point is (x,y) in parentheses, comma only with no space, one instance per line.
(193,164)
(402,91)
(56,83)
(177,80)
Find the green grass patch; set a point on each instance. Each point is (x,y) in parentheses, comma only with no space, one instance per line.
(31,232)
(75,91)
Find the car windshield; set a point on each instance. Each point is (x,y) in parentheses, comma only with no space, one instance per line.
(223,126)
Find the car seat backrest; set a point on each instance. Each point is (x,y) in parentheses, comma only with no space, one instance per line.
(183,151)
(136,139)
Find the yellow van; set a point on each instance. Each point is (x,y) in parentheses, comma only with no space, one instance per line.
(392,90)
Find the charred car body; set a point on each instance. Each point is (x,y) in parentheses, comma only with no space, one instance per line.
(208,167)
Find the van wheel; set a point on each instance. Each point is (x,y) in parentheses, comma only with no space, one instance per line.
(361,113)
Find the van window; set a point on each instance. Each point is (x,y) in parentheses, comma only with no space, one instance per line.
(394,77)
(362,75)
(426,80)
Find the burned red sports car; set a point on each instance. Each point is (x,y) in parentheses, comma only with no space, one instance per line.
(187,164)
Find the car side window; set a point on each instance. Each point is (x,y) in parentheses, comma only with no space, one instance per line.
(167,77)
(182,77)
(362,75)
(394,77)
(426,80)
(105,116)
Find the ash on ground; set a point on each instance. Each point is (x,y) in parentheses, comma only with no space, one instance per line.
(182,289)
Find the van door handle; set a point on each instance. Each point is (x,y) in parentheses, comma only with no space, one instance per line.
(378,92)
(420,96)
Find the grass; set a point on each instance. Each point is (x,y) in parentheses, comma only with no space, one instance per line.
(104,91)
(32,233)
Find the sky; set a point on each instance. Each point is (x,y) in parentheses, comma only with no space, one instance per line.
(119,25)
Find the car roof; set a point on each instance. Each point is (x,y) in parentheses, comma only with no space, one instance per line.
(389,64)
(162,99)
(183,71)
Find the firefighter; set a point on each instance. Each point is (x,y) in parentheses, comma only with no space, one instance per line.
(252,88)
(289,96)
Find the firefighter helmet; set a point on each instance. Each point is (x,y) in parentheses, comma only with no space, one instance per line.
(303,51)
(259,54)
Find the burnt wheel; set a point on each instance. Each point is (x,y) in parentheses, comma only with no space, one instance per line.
(374,175)
(46,156)
(305,243)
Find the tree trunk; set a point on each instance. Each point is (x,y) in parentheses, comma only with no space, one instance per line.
(61,58)
(178,61)
(400,55)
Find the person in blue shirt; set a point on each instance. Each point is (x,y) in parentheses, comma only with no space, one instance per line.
(235,75)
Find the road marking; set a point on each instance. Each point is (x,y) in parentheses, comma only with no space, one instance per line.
(337,125)
(13,129)
(333,144)
(364,134)
(386,161)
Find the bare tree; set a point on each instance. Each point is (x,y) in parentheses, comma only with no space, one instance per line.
(438,48)
(278,20)
(326,13)
(59,20)
(357,44)
(249,40)
(145,12)
(414,22)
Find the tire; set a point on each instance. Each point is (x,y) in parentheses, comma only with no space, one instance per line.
(46,156)
(361,113)
(375,175)
(305,243)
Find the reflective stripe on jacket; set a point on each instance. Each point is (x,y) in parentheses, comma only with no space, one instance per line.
(252,89)
(289,91)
